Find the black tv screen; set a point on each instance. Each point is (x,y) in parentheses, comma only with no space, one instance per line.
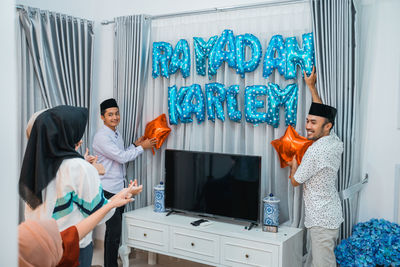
(213,184)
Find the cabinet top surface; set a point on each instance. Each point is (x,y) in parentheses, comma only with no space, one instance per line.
(234,229)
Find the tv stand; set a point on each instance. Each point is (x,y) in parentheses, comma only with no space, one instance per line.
(217,244)
(173,211)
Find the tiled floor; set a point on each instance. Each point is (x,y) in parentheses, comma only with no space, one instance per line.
(138,258)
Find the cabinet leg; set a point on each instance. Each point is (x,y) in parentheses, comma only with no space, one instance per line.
(152,258)
(124,254)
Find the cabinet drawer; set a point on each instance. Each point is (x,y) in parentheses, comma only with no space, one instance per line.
(143,234)
(194,244)
(240,252)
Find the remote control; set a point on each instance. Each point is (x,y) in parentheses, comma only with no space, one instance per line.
(198,222)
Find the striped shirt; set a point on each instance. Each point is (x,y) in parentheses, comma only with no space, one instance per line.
(72,196)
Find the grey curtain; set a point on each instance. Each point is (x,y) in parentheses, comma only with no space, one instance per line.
(131,59)
(56,58)
(334,26)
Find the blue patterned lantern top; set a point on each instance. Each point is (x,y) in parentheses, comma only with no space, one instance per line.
(271,210)
(159,196)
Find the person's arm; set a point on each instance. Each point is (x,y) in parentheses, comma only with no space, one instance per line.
(105,146)
(120,199)
(310,81)
(146,143)
(293,168)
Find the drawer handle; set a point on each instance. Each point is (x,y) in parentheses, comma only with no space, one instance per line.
(192,244)
(144,234)
(247,256)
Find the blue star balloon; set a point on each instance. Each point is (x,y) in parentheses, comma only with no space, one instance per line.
(276,46)
(202,50)
(180,59)
(282,97)
(251,103)
(175,101)
(304,58)
(215,97)
(193,103)
(218,53)
(243,66)
(162,52)
(232,104)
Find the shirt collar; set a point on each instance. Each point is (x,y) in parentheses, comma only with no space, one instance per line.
(110,132)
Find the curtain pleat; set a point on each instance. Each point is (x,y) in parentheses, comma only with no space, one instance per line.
(60,49)
(335,42)
(131,57)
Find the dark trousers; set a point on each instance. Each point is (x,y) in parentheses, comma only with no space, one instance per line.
(113,235)
(85,255)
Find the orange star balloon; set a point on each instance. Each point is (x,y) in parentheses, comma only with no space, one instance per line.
(289,145)
(157,128)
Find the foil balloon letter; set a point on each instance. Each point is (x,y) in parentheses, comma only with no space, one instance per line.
(282,97)
(304,58)
(193,103)
(162,52)
(218,53)
(232,104)
(157,128)
(202,50)
(175,101)
(215,97)
(180,59)
(289,145)
(243,66)
(251,104)
(276,46)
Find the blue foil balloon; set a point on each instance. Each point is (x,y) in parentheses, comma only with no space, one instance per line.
(276,45)
(218,53)
(215,97)
(175,101)
(202,50)
(282,97)
(301,57)
(193,103)
(243,66)
(162,52)
(232,104)
(251,104)
(180,59)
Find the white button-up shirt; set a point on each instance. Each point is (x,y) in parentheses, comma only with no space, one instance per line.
(109,147)
(318,172)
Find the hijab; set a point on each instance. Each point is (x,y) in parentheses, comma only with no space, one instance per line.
(39,243)
(53,137)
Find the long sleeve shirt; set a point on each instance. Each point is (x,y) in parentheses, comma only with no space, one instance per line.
(108,145)
(74,194)
(318,173)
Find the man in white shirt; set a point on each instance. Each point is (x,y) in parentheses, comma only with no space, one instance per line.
(108,145)
(318,173)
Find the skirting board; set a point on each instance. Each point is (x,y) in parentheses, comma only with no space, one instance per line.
(397,193)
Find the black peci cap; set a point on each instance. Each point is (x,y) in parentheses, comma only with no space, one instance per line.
(109,103)
(322,110)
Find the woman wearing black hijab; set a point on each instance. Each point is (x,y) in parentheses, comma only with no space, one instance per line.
(56,182)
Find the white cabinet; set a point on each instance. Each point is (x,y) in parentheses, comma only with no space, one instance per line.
(218,244)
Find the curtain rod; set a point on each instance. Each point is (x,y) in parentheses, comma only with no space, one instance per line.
(218,9)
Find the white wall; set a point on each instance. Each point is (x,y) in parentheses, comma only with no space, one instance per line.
(380,92)
(8,137)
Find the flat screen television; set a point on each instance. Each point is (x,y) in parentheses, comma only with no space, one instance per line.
(213,184)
